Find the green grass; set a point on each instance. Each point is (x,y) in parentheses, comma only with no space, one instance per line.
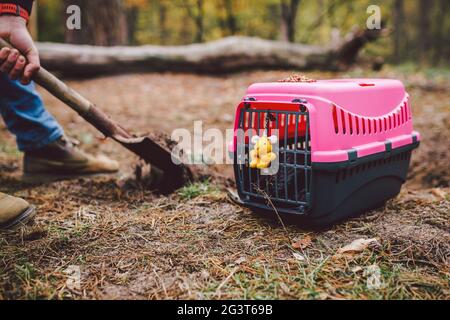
(26,272)
(195,190)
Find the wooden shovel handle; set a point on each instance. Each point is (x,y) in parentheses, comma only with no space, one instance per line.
(58,88)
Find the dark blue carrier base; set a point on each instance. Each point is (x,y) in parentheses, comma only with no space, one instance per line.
(344,190)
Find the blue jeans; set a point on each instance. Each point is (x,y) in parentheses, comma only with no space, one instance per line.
(25,116)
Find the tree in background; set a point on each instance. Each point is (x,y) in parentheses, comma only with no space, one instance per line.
(289,10)
(421,27)
(399,35)
(132,10)
(50,26)
(103,23)
(229,21)
(441,41)
(163,28)
(423,34)
(196,12)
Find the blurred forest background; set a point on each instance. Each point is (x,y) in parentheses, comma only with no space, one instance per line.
(419,29)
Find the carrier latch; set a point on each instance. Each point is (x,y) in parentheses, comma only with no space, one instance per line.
(352,156)
(388,149)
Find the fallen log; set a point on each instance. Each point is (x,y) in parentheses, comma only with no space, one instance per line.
(222,56)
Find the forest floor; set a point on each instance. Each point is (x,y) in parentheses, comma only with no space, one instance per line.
(93,239)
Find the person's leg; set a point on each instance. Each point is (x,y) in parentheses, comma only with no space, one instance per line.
(41,138)
(25,116)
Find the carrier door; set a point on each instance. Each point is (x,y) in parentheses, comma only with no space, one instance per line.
(286,185)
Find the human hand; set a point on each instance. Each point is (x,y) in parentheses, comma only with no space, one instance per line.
(23,61)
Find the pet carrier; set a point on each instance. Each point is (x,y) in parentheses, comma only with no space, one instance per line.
(343,147)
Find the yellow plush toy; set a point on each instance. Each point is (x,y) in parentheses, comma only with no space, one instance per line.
(261,156)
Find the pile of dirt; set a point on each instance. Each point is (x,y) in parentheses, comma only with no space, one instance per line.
(298,78)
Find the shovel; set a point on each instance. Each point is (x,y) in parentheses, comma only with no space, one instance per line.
(167,170)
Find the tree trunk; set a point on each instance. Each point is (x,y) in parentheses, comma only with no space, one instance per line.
(199,21)
(197,15)
(131,18)
(440,43)
(163,23)
(103,23)
(230,19)
(226,55)
(399,35)
(289,9)
(423,40)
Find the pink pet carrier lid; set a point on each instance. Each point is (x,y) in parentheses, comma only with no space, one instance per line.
(366,97)
(362,116)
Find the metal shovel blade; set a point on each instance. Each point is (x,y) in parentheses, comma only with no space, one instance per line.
(172,175)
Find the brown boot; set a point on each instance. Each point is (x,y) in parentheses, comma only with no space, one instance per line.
(14,212)
(63,158)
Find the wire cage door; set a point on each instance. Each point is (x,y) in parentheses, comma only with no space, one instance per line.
(289,186)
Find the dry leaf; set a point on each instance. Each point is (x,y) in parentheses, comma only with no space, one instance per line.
(357,245)
(299,257)
(439,193)
(284,288)
(302,243)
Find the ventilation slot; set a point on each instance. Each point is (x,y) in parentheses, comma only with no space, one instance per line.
(350,120)
(344,128)
(335,119)
(347,123)
(357,125)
